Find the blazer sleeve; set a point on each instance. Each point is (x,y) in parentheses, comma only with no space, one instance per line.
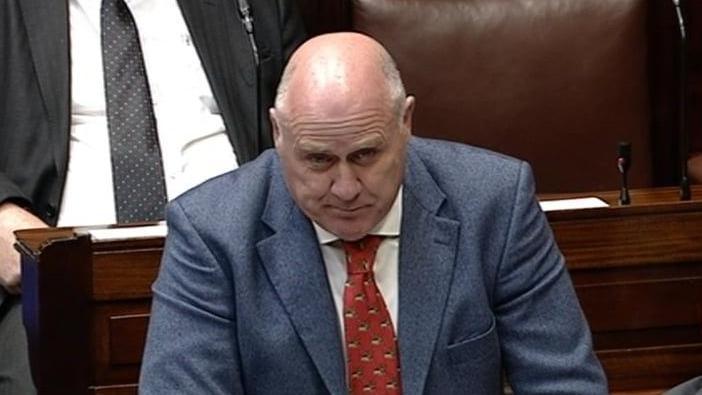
(545,340)
(10,192)
(26,161)
(189,346)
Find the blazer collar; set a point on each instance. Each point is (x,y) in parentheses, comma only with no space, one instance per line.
(428,245)
(293,261)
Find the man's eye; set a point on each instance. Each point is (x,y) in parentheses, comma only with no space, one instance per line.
(319,160)
(364,155)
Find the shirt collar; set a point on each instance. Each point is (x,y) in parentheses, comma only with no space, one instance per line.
(388,226)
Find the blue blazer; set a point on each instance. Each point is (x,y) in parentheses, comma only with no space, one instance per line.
(242,303)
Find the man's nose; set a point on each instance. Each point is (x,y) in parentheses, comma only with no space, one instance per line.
(346,186)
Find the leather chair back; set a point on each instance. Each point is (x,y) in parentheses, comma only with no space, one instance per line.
(558,83)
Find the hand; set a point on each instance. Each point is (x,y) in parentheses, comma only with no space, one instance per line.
(12,218)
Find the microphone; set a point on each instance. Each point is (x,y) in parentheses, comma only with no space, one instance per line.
(623,164)
(683,144)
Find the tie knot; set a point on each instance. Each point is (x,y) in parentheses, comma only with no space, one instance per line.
(360,254)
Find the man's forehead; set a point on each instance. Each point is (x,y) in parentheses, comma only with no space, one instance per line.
(350,139)
(328,81)
(337,120)
(338,98)
(336,62)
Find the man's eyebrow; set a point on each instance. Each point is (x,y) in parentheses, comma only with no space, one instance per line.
(307,145)
(311,121)
(371,140)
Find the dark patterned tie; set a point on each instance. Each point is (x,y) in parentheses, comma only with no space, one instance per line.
(373,360)
(137,171)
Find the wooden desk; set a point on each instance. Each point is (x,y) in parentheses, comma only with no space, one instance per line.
(637,271)
(86,307)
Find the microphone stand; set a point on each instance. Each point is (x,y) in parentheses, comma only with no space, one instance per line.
(683,149)
(623,164)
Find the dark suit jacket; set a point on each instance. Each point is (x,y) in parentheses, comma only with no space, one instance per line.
(35,86)
(242,302)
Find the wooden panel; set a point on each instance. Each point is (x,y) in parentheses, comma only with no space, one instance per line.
(626,237)
(127,338)
(118,336)
(654,367)
(637,271)
(55,282)
(645,304)
(125,273)
(647,337)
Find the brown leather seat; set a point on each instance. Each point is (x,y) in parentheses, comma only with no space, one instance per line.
(695,168)
(556,82)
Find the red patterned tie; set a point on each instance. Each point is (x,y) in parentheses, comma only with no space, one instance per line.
(371,345)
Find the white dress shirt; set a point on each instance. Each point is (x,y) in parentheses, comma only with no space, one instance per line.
(194,144)
(385,269)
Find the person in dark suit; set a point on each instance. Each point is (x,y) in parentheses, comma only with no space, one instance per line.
(212,68)
(355,258)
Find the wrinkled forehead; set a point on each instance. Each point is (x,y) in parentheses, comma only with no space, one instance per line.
(340,140)
(347,132)
(334,120)
(337,111)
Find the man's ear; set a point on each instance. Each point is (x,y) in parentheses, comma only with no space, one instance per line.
(408,112)
(273,116)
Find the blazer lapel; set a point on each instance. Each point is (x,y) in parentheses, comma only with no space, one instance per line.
(47,31)
(293,261)
(227,58)
(428,245)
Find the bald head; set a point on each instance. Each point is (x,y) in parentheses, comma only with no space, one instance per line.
(337,66)
(341,125)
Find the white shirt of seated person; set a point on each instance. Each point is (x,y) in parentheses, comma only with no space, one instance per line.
(194,144)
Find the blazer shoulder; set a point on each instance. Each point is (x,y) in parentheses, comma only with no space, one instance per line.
(239,192)
(467,167)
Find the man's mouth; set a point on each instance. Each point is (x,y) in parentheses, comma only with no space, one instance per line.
(348,211)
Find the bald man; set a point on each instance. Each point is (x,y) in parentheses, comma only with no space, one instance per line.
(357,259)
